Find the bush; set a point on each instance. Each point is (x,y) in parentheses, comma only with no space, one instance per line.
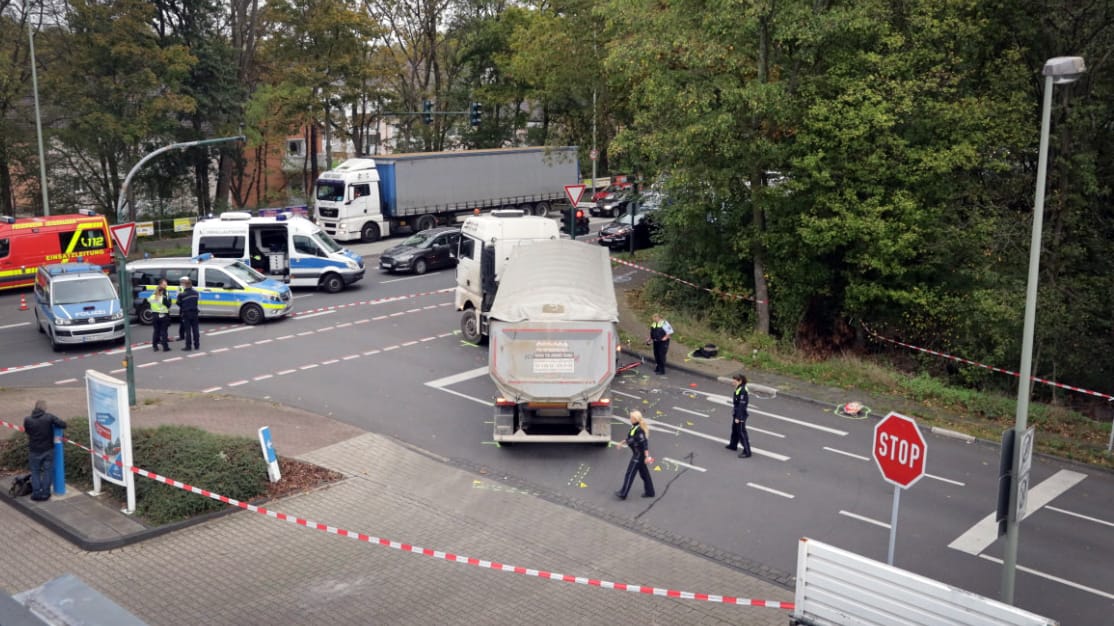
(231,466)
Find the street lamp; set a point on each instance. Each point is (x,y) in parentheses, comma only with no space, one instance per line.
(1057,71)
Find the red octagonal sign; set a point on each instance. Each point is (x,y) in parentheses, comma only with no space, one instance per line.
(899,450)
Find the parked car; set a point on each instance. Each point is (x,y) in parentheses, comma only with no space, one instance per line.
(423,251)
(613,204)
(642,226)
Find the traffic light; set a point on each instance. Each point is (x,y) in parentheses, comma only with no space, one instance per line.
(476,113)
(427,111)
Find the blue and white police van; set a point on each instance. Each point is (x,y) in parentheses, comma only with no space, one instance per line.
(75,303)
(286,246)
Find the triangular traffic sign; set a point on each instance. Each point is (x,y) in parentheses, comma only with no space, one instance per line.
(124,236)
(573,193)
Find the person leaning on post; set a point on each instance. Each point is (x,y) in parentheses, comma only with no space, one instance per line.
(39,427)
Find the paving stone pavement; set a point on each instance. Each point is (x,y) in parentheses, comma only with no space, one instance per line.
(249,569)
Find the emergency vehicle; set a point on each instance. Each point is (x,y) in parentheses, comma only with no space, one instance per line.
(27,243)
(75,303)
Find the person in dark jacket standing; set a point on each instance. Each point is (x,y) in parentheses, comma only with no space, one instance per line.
(639,445)
(160,317)
(39,427)
(660,332)
(739,414)
(187,307)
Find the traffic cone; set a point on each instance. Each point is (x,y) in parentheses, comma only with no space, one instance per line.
(22,302)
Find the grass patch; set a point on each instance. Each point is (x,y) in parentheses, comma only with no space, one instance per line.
(225,464)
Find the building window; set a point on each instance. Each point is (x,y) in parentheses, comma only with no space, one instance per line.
(296,147)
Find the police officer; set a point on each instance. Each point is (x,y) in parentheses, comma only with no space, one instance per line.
(660,332)
(739,415)
(160,312)
(187,308)
(640,455)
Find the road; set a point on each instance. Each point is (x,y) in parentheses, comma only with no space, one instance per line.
(386,356)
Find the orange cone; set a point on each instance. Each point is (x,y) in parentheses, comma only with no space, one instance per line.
(22,302)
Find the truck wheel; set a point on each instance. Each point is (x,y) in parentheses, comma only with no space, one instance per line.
(420,266)
(541,209)
(369,233)
(251,314)
(145,316)
(332,283)
(470,327)
(425,222)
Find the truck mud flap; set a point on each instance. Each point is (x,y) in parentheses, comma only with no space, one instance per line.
(505,425)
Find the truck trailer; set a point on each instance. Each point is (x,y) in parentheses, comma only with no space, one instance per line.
(369,198)
(553,336)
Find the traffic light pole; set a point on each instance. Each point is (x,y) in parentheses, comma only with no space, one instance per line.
(121,262)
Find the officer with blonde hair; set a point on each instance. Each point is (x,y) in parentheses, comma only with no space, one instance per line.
(638,442)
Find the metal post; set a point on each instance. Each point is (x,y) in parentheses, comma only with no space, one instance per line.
(121,262)
(1023,385)
(59,464)
(893,525)
(38,122)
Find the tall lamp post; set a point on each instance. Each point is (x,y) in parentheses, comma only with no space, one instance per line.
(1057,71)
(38,121)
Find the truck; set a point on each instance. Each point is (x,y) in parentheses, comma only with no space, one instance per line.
(368,198)
(553,340)
(486,243)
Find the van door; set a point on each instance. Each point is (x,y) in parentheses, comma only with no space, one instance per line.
(269,250)
(217,299)
(305,268)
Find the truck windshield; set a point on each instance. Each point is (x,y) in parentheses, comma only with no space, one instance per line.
(326,242)
(330,190)
(88,290)
(245,274)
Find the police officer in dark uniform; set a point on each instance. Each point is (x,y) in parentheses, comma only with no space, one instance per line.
(640,455)
(660,332)
(739,416)
(187,307)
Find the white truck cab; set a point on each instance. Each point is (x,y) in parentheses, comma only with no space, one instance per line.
(347,201)
(284,246)
(486,243)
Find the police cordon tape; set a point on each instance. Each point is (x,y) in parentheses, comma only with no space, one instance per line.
(992,368)
(714,292)
(436,554)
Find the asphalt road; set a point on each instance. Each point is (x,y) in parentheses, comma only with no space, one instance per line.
(386,356)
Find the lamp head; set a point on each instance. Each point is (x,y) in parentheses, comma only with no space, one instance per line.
(1064,70)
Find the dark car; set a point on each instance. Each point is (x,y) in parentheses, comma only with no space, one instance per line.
(429,249)
(642,226)
(612,204)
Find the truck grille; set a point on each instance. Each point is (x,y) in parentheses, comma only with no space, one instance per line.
(328,212)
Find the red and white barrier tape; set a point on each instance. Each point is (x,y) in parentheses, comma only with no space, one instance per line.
(714,292)
(438,554)
(992,368)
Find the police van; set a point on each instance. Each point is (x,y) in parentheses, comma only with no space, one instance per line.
(75,303)
(29,242)
(226,288)
(285,246)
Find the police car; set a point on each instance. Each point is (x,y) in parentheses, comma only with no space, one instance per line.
(76,303)
(227,288)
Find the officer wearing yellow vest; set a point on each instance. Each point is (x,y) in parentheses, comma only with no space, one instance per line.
(160,314)
(660,332)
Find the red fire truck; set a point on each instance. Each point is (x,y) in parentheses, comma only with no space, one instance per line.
(28,242)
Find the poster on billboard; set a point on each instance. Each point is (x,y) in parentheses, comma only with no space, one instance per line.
(110,433)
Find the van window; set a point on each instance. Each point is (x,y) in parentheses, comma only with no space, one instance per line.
(222,246)
(217,279)
(147,276)
(85,240)
(306,245)
(246,274)
(5,247)
(88,290)
(174,275)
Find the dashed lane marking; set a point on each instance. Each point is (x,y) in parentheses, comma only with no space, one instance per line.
(683,464)
(1081,516)
(690,412)
(771,490)
(318,314)
(1062,581)
(863,518)
(850,454)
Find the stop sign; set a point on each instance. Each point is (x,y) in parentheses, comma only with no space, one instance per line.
(899,450)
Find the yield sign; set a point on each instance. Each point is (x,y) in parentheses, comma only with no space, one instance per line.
(573,193)
(124,236)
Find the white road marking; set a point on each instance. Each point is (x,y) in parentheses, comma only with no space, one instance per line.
(308,367)
(219,350)
(863,518)
(241,345)
(683,464)
(1081,516)
(330,361)
(350,357)
(456,378)
(318,314)
(284,337)
(195,355)
(63,382)
(487,403)
(696,413)
(238,329)
(409,343)
(263,341)
(399,280)
(371,352)
(285,372)
(752,429)
(389,348)
(945,480)
(772,455)
(152,363)
(263,377)
(850,454)
(773,491)
(237,383)
(211,389)
(15,325)
(1062,581)
(173,359)
(985,531)
(24,368)
(726,401)
(626,395)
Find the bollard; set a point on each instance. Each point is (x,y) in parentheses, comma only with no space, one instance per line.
(59,464)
